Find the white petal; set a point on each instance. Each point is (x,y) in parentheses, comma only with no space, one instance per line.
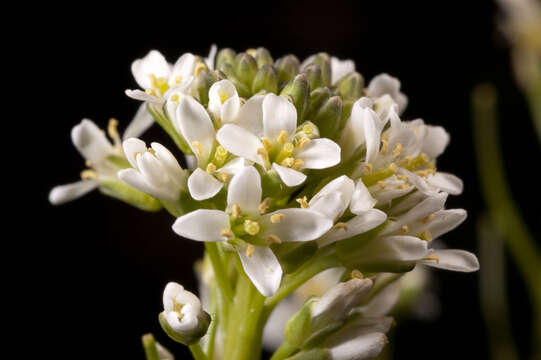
(297,225)
(170,164)
(184,67)
(359,224)
(342,185)
(91,141)
(191,162)
(319,154)
(233,166)
(152,169)
(454,260)
(386,84)
(63,193)
(212,55)
(278,114)
(196,126)
(202,185)
(227,109)
(435,141)
(132,147)
(202,225)
(361,199)
(384,301)
(153,63)
(365,346)
(143,96)
(331,205)
(372,125)
(396,248)
(137,181)
(140,123)
(289,176)
(353,133)
(340,68)
(240,142)
(262,268)
(250,115)
(245,190)
(446,182)
(442,222)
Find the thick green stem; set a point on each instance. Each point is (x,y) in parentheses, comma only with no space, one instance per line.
(503,210)
(197,352)
(284,351)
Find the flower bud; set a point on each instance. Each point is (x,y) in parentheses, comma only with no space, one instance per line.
(265,79)
(154,350)
(299,91)
(121,191)
(312,354)
(323,60)
(225,56)
(229,71)
(317,98)
(245,68)
(183,318)
(313,74)
(263,57)
(287,66)
(328,117)
(351,86)
(202,83)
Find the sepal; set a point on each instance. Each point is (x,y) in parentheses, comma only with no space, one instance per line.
(187,338)
(122,191)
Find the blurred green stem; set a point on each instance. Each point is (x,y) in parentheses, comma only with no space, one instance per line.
(504,212)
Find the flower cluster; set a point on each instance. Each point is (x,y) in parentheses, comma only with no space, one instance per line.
(292,169)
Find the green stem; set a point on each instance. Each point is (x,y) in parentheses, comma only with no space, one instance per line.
(503,209)
(197,352)
(220,272)
(166,124)
(149,344)
(284,351)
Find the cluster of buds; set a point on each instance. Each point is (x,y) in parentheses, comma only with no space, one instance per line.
(290,165)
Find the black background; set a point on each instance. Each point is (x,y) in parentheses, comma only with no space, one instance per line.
(98,267)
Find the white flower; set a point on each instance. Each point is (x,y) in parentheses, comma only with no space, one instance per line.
(155,170)
(384,84)
(181,308)
(224,101)
(243,220)
(97,150)
(215,165)
(270,141)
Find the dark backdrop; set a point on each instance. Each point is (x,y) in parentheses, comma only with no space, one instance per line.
(100,266)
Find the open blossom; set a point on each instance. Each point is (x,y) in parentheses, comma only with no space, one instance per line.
(271,141)
(244,220)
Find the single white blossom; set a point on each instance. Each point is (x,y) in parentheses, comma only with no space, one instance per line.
(384,84)
(181,308)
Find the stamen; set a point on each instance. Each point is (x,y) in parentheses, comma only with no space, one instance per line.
(153,81)
(88,163)
(398,149)
(199,67)
(308,129)
(227,233)
(211,168)
(175,98)
(198,147)
(273,239)
(251,52)
(223,96)
(250,250)
(288,162)
(151,150)
(402,187)
(356,274)
(303,202)
(298,164)
(177,307)
(426,236)
(223,177)
(405,228)
(178,80)
(89,174)
(251,227)
(384,147)
(382,184)
(433,257)
(367,169)
(112,130)
(426,219)
(340,225)
(264,206)
(282,137)
(236,211)
(303,142)
(405,162)
(402,177)
(265,156)
(267,144)
(425,172)
(151,92)
(276,218)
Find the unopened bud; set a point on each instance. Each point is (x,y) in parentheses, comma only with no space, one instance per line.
(313,74)
(202,84)
(299,90)
(121,191)
(245,68)
(263,57)
(265,79)
(317,98)
(323,60)
(351,86)
(328,117)
(225,56)
(287,66)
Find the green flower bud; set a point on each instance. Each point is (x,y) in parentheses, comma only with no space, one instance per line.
(225,56)
(299,91)
(347,105)
(121,191)
(350,86)
(312,354)
(242,89)
(263,57)
(328,117)
(202,83)
(287,67)
(245,68)
(154,350)
(314,76)
(323,60)
(266,79)
(317,98)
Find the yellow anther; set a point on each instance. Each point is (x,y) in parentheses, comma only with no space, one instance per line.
(227,233)
(135,155)
(151,150)
(151,92)
(223,177)
(221,152)
(199,67)
(264,206)
(89,174)
(384,146)
(402,187)
(177,80)
(402,177)
(426,219)
(112,130)
(88,163)
(177,307)
(303,202)
(340,225)
(236,211)
(251,227)
(198,147)
(382,184)
(266,144)
(288,147)
(425,172)
(175,98)
(251,52)
(282,138)
(265,156)
(211,168)
(405,161)
(367,169)
(288,162)
(356,274)
(303,142)
(426,236)
(223,96)
(276,218)
(433,257)
(398,149)
(153,81)
(298,164)
(250,250)
(273,239)
(405,228)
(308,129)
